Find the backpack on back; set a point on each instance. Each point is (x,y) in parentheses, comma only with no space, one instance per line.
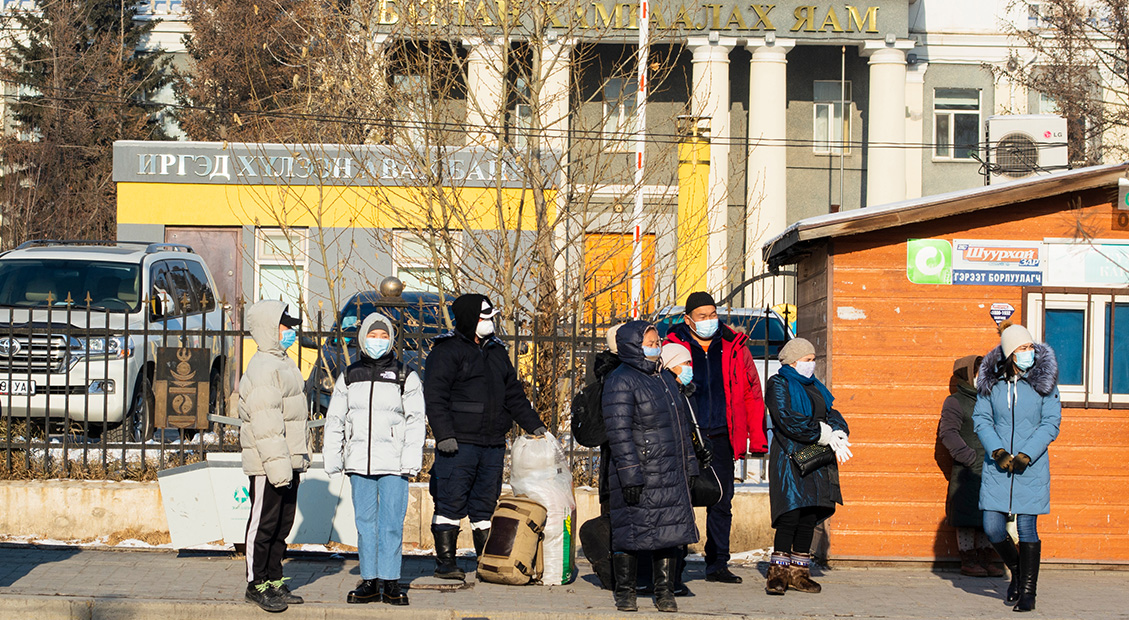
(588,427)
(512,554)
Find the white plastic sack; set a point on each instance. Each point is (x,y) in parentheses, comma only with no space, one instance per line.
(539,470)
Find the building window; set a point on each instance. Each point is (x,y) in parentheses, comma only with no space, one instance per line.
(1089,332)
(414,252)
(282,265)
(621,122)
(411,96)
(956,123)
(1034,15)
(832,127)
(521,117)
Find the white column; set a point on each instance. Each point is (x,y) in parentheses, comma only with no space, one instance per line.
(710,97)
(885,140)
(485,80)
(553,116)
(917,119)
(767,171)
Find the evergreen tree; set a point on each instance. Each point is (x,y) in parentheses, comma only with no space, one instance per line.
(82,81)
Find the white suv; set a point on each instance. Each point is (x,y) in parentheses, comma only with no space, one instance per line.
(80,323)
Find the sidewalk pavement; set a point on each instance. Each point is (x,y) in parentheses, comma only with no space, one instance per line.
(69,582)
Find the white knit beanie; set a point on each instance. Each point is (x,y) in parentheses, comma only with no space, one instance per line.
(1013,337)
(610,336)
(675,355)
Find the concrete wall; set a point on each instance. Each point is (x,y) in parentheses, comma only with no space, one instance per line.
(83,510)
(938,175)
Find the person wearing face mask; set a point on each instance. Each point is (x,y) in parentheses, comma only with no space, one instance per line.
(473,398)
(956,433)
(802,415)
(652,467)
(272,408)
(730,408)
(1017,416)
(374,432)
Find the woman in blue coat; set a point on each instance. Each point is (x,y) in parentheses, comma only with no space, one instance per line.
(652,466)
(1017,416)
(802,415)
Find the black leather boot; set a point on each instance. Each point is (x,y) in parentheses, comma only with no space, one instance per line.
(368,591)
(662,574)
(626,567)
(446,542)
(1029,556)
(394,594)
(1010,555)
(480,537)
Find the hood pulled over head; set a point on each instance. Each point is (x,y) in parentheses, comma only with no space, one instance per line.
(964,370)
(263,319)
(367,325)
(629,343)
(467,309)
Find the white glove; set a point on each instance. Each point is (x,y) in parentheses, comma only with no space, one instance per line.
(824,434)
(841,445)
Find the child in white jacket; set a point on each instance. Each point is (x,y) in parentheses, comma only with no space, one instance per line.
(374,432)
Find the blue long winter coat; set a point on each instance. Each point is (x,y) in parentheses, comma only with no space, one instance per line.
(788,490)
(648,426)
(1019,415)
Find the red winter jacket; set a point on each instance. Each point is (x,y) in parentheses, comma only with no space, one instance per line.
(744,409)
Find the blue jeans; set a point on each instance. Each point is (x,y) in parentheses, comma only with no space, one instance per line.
(380,504)
(995,526)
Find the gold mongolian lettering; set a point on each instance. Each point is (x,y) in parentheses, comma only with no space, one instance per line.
(581,18)
(831,20)
(632,18)
(735,18)
(551,12)
(684,18)
(388,14)
(602,15)
(805,19)
(657,17)
(714,15)
(762,11)
(854,20)
(482,14)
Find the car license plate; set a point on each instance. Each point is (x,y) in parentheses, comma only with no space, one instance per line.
(17,388)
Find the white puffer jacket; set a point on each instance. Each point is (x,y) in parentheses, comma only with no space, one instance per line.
(370,428)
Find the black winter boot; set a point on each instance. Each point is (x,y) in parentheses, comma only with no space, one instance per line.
(368,591)
(662,574)
(626,568)
(446,542)
(480,537)
(1010,555)
(1029,555)
(394,594)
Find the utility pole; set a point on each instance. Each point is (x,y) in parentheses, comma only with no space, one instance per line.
(640,145)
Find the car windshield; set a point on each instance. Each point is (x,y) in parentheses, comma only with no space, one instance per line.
(111,287)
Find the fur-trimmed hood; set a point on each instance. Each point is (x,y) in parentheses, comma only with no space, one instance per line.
(1043,376)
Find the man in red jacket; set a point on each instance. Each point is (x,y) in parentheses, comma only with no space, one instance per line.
(730,411)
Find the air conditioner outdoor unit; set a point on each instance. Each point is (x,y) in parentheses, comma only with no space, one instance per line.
(1024,145)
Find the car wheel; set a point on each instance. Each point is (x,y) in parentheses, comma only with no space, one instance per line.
(137,425)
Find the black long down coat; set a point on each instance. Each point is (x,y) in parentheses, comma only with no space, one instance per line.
(648,425)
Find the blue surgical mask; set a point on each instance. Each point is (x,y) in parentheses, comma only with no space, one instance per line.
(377,347)
(686,376)
(705,328)
(1025,359)
(287,339)
(652,353)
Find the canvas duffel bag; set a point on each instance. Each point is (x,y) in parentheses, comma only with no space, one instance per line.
(512,554)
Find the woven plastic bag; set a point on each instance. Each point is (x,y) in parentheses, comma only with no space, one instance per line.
(539,470)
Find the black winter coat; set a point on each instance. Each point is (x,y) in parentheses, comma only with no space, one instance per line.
(648,427)
(791,431)
(472,392)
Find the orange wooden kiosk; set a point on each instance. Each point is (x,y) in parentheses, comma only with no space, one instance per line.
(892,295)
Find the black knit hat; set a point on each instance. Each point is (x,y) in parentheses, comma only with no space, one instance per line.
(699,299)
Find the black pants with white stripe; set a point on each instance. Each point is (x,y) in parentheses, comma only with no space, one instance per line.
(272,516)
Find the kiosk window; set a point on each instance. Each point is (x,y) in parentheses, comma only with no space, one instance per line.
(1089,332)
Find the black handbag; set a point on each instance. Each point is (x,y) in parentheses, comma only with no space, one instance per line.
(812,457)
(706,490)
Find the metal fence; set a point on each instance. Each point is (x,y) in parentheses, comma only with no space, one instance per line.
(79,386)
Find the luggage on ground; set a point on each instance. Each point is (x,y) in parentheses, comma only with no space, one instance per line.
(512,555)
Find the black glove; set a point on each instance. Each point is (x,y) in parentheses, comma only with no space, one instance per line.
(1019,463)
(705,453)
(632,495)
(448,446)
(1003,459)
(540,432)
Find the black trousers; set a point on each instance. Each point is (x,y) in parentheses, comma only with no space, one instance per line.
(795,530)
(272,516)
(467,484)
(719,517)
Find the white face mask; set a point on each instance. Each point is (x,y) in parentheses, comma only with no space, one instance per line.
(485,329)
(806,369)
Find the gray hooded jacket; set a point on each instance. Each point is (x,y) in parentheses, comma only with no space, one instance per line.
(372,427)
(272,404)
